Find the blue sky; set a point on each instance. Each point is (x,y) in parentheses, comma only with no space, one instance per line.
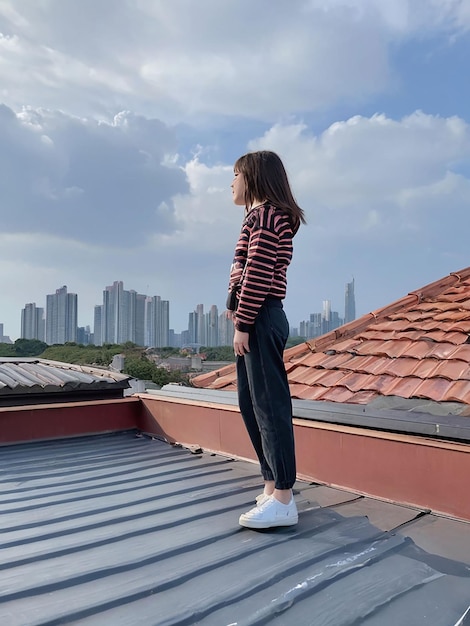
(120,122)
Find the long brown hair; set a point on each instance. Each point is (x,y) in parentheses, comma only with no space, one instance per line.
(266,179)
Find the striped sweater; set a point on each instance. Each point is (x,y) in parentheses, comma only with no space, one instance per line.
(265,247)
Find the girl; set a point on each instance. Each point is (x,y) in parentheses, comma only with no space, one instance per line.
(257,287)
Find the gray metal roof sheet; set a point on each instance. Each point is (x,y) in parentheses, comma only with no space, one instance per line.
(122,529)
(33,375)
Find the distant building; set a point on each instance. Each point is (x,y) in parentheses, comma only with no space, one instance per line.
(157,322)
(61,317)
(33,322)
(349,303)
(327,320)
(4,338)
(97,325)
(212,327)
(84,335)
(226,331)
(200,325)
(197,330)
(175,339)
(320,323)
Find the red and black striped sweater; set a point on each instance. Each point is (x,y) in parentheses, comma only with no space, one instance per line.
(265,247)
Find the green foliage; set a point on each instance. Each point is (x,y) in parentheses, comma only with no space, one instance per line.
(7,349)
(23,347)
(29,347)
(82,355)
(220,353)
(163,353)
(294,341)
(139,368)
(146,370)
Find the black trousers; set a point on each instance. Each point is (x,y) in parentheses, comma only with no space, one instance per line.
(264,396)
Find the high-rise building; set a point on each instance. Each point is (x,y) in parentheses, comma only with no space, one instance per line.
(84,335)
(200,326)
(61,316)
(197,327)
(349,303)
(4,338)
(112,321)
(33,323)
(122,316)
(130,316)
(137,319)
(192,329)
(212,327)
(157,322)
(98,325)
(226,331)
(320,323)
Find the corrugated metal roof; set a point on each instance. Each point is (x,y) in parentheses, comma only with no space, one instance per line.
(415,348)
(125,530)
(33,375)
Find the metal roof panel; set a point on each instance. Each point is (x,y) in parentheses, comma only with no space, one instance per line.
(124,529)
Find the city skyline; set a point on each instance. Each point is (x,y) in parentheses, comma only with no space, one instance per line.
(115,328)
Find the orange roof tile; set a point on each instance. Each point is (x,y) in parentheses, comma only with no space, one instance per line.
(416,347)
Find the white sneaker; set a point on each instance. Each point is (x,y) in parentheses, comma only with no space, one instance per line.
(271,513)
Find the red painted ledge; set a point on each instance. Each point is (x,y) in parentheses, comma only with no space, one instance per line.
(409,470)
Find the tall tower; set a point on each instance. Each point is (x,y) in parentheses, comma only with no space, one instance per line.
(200,326)
(226,330)
(111,321)
(212,330)
(98,325)
(61,316)
(157,322)
(349,303)
(33,325)
(123,315)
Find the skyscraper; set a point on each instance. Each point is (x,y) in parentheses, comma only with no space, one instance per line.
(33,323)
(226,330)
(112,322)
(61,316)
(200,326)
(212,328)
(157,322)
(349,303)
(122,316)
(98,325)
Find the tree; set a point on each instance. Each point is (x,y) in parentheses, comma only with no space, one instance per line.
(143,369)
(7,349)
(29,347)
(219,353)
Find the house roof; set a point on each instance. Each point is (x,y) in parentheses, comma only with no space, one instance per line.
(417,348)
(24,375)
(126,529)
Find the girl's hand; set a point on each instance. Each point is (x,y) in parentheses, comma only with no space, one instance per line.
(241,343)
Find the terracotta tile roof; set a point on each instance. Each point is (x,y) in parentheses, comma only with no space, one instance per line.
(417,347)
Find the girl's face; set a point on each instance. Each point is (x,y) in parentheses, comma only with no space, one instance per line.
(238,189)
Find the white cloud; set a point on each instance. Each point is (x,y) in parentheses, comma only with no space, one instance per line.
(182,60)
(364,165)
(94,181)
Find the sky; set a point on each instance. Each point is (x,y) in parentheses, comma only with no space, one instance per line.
(120,121)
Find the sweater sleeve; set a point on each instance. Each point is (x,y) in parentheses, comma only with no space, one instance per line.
(262,257)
